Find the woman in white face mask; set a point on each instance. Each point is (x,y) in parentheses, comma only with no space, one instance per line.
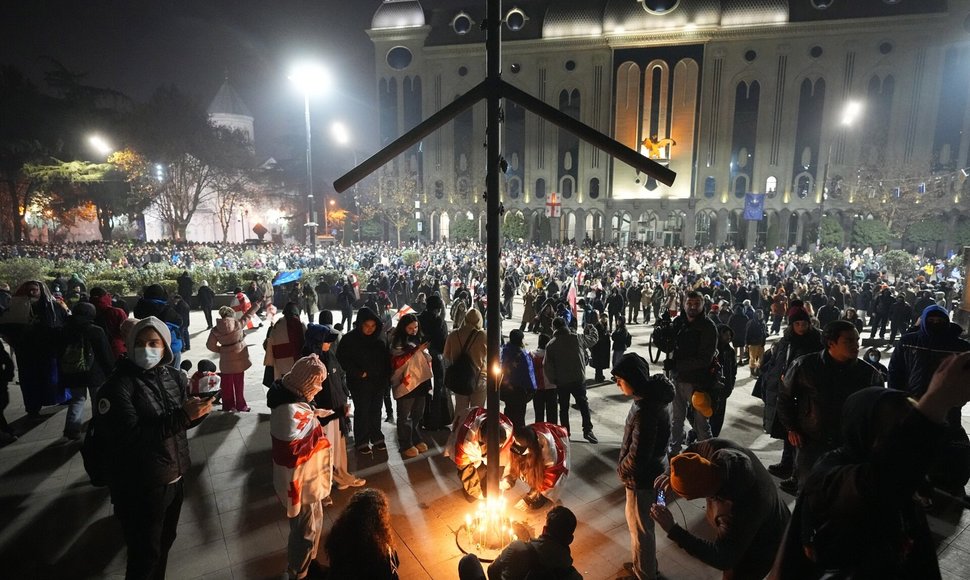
(142,414)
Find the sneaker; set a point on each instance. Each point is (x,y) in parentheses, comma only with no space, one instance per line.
(421,447)
(245,409)
(358,482)
(789,485)
(380,446)
(364,450)
(588,435)
(410,452)
(782,470)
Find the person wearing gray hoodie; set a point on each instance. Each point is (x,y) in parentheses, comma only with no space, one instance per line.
(144,412)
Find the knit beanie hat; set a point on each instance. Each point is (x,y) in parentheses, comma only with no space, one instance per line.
(306,376)
(693,476)
(797,314)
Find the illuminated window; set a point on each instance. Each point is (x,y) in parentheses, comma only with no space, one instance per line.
(462,23)
(515,19)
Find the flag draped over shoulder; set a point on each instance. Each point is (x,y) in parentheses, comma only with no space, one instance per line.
(411,368)
(302,468)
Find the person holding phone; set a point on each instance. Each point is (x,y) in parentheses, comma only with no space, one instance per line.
(144,412)
(643,455)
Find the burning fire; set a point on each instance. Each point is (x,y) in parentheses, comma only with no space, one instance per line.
(489,528)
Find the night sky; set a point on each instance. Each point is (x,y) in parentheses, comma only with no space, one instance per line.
(135,46)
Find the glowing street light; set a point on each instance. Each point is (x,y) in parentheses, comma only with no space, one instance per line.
(100,145)
(850,113)
(341,134)
(311,79)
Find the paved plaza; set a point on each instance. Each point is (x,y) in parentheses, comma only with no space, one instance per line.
(56,525)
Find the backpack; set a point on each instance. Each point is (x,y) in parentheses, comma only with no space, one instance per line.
(462,376)
(78,357)
(176,336)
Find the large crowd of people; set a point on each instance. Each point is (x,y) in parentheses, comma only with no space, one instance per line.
(411,342)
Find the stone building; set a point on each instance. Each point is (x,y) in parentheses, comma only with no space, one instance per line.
(737,96)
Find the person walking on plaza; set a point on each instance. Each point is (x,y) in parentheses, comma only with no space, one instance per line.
(815,389)
(143,414)
(518,378)
(728,363)
(599,353)
(302,469)
(633,294)
(755,337)
(565,366)
(690,368)
(206,298)
(185,284)
(643,455)
(85,362)
(743,506)
(621,340)
(546,400)
(228,340)
(365,358)
(900,317)
(469,338)
(284,341)
(109,317)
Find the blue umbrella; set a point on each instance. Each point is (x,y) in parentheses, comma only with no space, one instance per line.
(287,276)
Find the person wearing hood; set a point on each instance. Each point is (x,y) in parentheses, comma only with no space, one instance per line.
(911,369)
(206,298)
(729,374)
(302,468)
(856,516)
(743,506)
(471,338)
(109,317)
(228,340)
(144,412)
(154,302)
(36,320)
(643,454)
(365,358)
(85,361)
(545,556)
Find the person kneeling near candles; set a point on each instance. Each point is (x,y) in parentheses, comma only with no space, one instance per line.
(540,457)
(468,447)
(547,556)
(743,506)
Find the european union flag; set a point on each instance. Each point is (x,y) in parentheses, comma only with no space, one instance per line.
(754,207)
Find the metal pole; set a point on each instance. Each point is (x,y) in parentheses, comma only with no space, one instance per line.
(493,80)
(311,223)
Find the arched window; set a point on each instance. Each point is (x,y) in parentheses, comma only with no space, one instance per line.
(710,187)
(771,187)
(594,188)
(540,188)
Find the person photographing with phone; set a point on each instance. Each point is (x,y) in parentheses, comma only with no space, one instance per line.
(743,507)
(144,411)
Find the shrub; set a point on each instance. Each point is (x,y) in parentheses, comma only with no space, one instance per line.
(116,287)
(411,257)
(870,233)
(16,271)
(828,259)
(899,262)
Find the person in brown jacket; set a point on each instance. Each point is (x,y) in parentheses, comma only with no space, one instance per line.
(228,339)
(472,337)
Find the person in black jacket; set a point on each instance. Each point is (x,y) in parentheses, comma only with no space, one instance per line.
(144,412)
(643,453)
(185,284)
(814,390)
(729,374)
(82,337)
(856,516)
(440,410)
(365,358)
(900,317)
(206,298)
(181,306)
(691,368)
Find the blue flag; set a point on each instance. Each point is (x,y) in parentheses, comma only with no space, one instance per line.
(754,207)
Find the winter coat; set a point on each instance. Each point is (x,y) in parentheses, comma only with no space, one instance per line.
(545,553)
(600,352)
(695,350)
(911,367)
(228,339)
(755,333)
(284,343)
(110,317)
(103,359)
(359,355)
(739,325)
(643,450)
(815,389)
(302,462)
(565,361)
(140,414)
(856,509)
(518,374)
(747,514)
(472,337)
(773,368)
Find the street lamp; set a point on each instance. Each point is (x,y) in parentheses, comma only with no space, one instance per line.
(342,136)
(311,79)
(850,113)
(100,145)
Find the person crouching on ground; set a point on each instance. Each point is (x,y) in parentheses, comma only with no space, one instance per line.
(540,457)
(468,447)
(643,454)
(547,556)
(302,466)
(743,506)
